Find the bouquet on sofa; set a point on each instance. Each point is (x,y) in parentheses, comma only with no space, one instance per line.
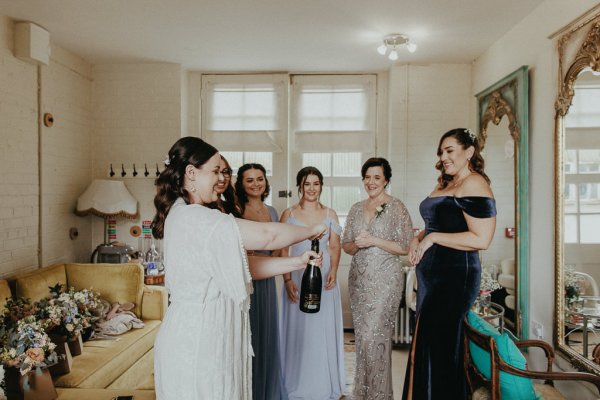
(61,314)
(25,345)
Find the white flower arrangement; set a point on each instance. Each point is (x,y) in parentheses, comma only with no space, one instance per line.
(573,283)
(488,283)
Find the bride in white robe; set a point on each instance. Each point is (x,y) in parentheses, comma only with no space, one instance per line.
(203,349)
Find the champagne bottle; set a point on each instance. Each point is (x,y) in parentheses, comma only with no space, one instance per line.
(312,283)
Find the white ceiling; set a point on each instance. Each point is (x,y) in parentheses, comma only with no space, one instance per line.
(271,35)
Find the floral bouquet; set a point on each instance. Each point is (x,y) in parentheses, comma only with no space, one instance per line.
(61,314)
(88,302)
(17,309)
(573,284)
(25,345)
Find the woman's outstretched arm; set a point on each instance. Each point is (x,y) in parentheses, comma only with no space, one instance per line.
(266,267)
(274,235)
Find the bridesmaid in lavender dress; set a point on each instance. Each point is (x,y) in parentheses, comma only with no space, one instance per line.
(378,230)
(312,348)
(252,189)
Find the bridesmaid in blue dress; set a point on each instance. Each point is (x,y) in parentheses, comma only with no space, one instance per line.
(252,188)
(459,221)
(312,345)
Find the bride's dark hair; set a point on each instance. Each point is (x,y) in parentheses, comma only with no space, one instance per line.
(169,185)
(466,139)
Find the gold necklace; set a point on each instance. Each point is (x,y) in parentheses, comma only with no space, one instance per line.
(257,211)
(460,181)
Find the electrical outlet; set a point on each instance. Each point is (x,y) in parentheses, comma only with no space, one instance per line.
(538,329)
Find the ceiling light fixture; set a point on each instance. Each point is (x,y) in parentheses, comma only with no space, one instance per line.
(392,42)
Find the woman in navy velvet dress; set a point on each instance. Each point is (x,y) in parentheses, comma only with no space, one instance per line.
(459,221)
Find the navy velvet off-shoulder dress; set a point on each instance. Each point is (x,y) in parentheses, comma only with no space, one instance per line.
(448,283)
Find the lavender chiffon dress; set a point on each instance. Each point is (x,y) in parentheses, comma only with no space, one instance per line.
(312,345)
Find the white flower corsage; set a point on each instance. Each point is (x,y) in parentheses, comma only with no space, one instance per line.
(167,160)
(380,209)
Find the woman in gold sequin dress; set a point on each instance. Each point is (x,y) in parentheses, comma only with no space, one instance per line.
(378,231)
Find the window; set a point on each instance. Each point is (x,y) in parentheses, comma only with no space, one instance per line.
(333,129)
(327,121)
(245,117)
(582,196)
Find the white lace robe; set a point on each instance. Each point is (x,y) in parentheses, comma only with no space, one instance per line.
(203,349)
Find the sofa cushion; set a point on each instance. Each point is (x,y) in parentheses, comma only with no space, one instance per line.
(119,283)
(4,293)
(511,387)
(35,285)
(104,360)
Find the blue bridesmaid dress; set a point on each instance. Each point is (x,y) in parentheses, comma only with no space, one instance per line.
(312,345)
(267,382)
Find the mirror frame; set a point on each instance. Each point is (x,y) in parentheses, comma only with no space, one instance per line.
(587,56)
(510,97)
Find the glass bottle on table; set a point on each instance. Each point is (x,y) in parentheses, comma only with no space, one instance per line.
(153,263)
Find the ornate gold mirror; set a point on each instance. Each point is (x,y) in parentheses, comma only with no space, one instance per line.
(577,195)
(503,134)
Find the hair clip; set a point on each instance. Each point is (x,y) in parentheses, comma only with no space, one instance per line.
(167,161)
(471,134)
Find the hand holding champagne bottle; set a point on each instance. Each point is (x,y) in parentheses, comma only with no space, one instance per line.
(312,284)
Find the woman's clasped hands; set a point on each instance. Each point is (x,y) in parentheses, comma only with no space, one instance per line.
(364,239)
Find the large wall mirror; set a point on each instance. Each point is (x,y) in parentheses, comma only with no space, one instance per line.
(503,134)
(577,195)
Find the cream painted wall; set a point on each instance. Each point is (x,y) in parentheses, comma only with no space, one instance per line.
(424,103)
(528,44)
(137,113)
(64,157)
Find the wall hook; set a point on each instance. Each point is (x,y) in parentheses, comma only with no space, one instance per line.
(123,173)
(157,171)
(135,173)
(146,173)
(112,173)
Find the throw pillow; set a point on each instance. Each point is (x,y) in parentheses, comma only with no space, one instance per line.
(511,387)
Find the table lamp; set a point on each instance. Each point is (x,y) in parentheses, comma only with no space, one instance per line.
(107,198)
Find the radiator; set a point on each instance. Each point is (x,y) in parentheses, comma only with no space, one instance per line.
(404,320)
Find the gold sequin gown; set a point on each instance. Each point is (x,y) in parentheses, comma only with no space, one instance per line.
(375,284)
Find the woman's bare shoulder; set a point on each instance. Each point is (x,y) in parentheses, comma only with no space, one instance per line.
(475,185)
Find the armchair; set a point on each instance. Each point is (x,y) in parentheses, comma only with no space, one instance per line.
(506,279)
(490,387)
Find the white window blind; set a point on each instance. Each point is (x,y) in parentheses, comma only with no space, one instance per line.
(245,112)
(333,112)
(243,107)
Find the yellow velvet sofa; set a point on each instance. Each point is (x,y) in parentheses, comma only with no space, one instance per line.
(112,365)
